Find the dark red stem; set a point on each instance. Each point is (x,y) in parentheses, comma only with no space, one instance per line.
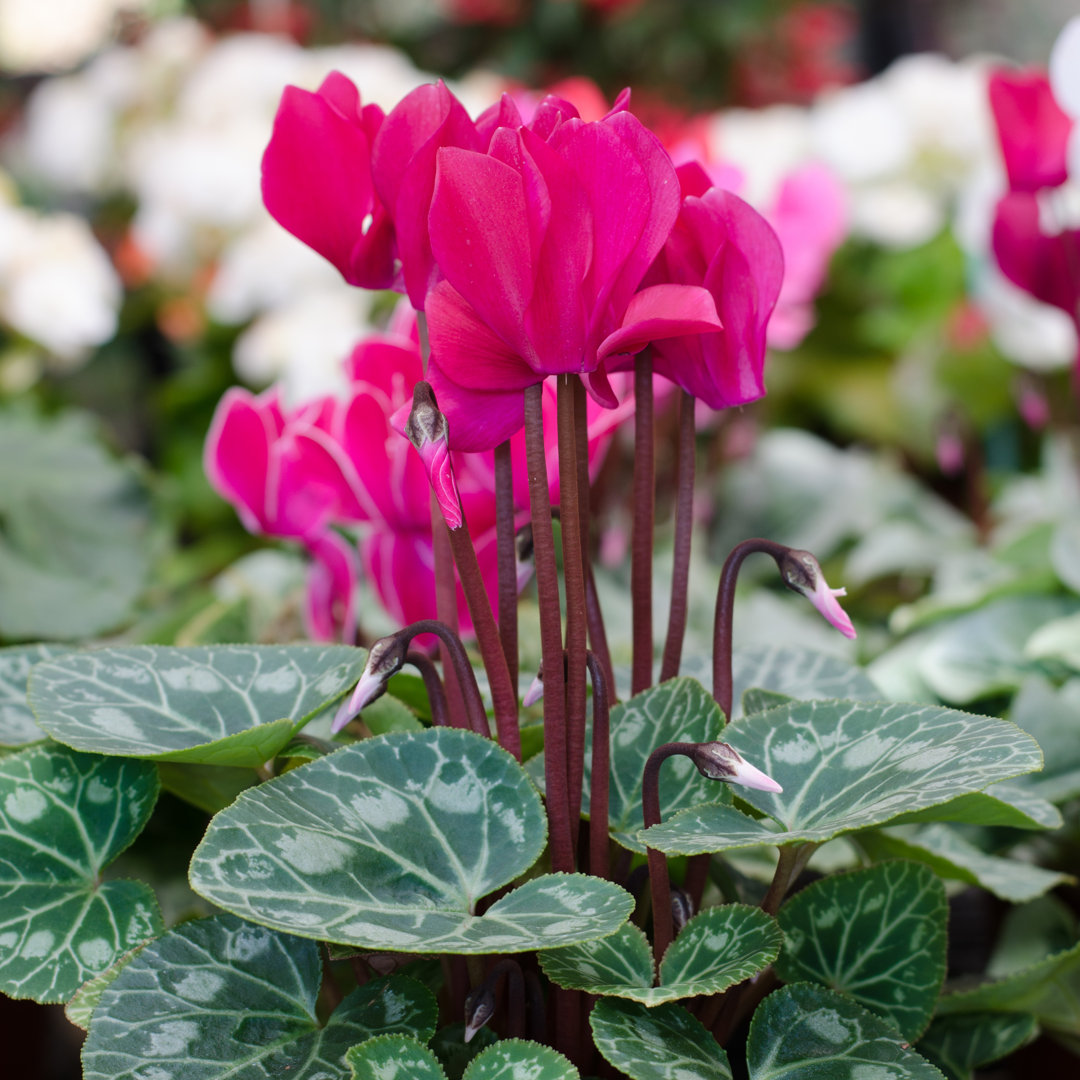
(725,606)
(641,541)
(658,872)
(504,538)
(551,646)
(574,586)
(599,859)
(432,684)
(446,609)
(684,527)
(503,693)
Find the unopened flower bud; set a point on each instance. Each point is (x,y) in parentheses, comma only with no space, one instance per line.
(535,691)
(386,658)
(427,430)
(479,1009)
(719,761)
(802,573)
(682,909)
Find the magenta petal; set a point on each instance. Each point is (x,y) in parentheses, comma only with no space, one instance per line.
(237,455)
(318,477)
(1032,129)
(316,175)
(1044,266)
(400,567)
(662,311)
(331,612)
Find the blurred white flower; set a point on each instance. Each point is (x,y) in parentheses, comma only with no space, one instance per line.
(304,342)
(765,144)
(57,286)
(860,132)
(54,35)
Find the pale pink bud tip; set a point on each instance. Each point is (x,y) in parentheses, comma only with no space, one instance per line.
(535,691)
(386,658)
(427,430)
(802,572)
(367,690)
(721,761)
(824,599)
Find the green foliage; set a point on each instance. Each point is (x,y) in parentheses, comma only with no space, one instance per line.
(17,724)
(877,935)
(64,817)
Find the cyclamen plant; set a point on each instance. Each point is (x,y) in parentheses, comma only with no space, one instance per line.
(397,898)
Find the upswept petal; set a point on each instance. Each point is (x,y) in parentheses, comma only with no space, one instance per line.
(481,242)
(477,419)
(401,568)
(331,610)
(317,182)
(316,481)
(1039,264)
(662,311)
(236,456)
(404,166)
(1032,129)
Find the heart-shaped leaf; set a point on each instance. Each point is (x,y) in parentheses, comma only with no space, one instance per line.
(65,816)
(797,673)
(848,765)
(80,1007)
(389,844)
(1048,713)
(17,724)
(216,705)
(516,1059)
(218,996)
(950,856)
(389,1056)
(877,935)
(716,949)
(959,1044)
(1050,990)
(1000,804)
(807,1031)
(661,1043)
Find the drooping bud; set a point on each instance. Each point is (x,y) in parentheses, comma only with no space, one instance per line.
(386,658)
(479,1009)
(719,761)
(682,909)
(802,573)
(427,430)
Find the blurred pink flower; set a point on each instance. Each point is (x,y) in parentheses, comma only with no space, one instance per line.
(1032,129)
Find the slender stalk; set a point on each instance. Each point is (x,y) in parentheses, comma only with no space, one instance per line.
(599,855)
(684,523)
(697,876)
(641,551)
(503,692)
(597,634)
(446,609)
(432,684)
(725,607)
(504,534)
(785,871)
(570,515)
(476,716)
(551,646)
(659,882)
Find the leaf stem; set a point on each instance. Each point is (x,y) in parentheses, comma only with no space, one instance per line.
(641,542)
(432,684)
(551,646)
(447,612)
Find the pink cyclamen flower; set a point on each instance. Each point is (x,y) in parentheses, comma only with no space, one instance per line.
(317,181)
(544,242)
(724,245)
(1032,129)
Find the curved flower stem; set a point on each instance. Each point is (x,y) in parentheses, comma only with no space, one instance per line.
(446,609)
(504,533)
(570,516)
(725,605)
(684,525)
(503,692)
(785,870)
(659,883)
(641,544)
(459,661)
(551,646)
(432,684)
(599,855)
